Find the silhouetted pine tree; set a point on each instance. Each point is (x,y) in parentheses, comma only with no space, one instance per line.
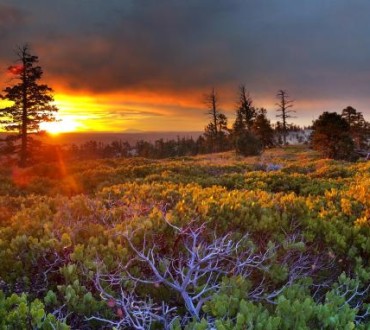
(31,102)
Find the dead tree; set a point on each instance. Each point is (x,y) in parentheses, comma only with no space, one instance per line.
(132,311)
(193,272)
(216,131)
(284,110)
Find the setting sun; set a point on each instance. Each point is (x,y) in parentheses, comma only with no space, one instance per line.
(61,126)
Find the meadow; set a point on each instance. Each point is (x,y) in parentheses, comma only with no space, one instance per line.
(277,241)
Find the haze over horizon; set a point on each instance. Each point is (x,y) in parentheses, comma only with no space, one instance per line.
(145,65)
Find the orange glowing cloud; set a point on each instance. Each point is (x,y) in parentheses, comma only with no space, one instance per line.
(117,112)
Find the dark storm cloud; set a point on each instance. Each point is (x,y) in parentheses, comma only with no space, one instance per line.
(315,48)
(10,18)
(9,15)
(155,45)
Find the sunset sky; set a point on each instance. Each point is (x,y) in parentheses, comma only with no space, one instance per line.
(119,65)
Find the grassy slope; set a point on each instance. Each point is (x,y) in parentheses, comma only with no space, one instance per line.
(74,212)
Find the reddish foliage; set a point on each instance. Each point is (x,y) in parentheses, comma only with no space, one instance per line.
(111,303)
(120,312)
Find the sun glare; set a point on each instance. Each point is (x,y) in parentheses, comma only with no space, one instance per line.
(62,126)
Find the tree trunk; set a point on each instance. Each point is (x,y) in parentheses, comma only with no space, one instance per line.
(214,114)
(24,149)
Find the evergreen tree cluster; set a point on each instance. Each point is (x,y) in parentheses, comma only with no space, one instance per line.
(342,137)
(250,133)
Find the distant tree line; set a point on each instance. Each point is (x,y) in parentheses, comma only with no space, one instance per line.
(157,150)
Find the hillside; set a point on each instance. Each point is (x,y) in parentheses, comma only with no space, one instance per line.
(278,241)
